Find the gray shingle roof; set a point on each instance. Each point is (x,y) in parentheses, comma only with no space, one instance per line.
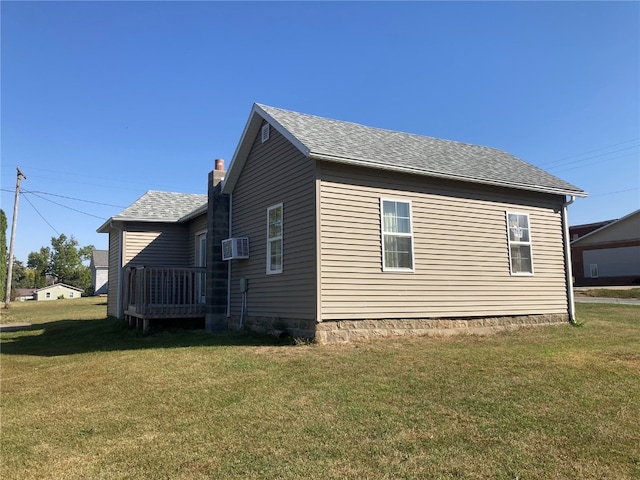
(377,148)
(155,206)
(100,258)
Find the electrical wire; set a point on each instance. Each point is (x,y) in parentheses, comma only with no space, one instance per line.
(65,206)
(41,216)
(546,165)
(72,198)
(561,167)
(613,193)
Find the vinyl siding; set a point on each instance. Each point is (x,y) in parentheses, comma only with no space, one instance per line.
(156,245)
(276,172)
(114,270)
(461,256)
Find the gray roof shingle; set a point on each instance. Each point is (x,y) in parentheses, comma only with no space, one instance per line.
(378,148)
(100,258)
(156,206)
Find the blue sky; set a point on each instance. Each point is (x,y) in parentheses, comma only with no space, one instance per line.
(102,101)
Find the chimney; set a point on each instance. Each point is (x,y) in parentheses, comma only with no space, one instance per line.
(218,172)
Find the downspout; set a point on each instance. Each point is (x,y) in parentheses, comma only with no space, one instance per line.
(567,260)
(229,262)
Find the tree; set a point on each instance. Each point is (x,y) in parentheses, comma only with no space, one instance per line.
(40,262)
(63,261)
(4,261)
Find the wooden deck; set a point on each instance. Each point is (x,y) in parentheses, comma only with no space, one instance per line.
(163,293)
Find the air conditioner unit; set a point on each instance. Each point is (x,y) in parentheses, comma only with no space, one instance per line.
(235,248)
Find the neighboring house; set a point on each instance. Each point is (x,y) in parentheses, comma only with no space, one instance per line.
(338,231)
(161,234)
(577,231)
(23,294)
(99,271)
(53,292)
(608,255)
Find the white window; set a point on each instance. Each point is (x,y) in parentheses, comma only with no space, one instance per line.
(274,239)
(519,235)
(48,295)
(397,236)
(70,294)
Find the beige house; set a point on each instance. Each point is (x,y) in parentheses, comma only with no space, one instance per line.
(54,292)
(355,231)
(336,231)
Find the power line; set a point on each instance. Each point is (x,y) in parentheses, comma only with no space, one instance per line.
(613,193)
(562,169)
(64,206)
(544,165)
(594,156)
(41,216)
(72,198)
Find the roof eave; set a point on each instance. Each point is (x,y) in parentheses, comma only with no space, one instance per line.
(196,213)
(461,178)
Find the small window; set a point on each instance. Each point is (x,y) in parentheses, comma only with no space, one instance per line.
(274,239)
(265,132)
(519,235)
(48,295)
(397,236)
(70,294)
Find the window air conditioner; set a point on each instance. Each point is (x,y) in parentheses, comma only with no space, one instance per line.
(235,248)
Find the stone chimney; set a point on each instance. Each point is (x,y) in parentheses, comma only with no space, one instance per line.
(218,172)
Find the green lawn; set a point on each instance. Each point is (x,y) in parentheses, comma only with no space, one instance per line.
(84,397)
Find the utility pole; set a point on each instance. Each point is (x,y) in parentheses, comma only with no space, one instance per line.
(7,297)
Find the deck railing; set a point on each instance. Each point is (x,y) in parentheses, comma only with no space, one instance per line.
(164,292)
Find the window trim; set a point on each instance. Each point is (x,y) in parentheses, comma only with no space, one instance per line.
(528,243)
(409,235)
(269,269)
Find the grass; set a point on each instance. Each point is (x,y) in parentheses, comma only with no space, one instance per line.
(84,397)
(611,293)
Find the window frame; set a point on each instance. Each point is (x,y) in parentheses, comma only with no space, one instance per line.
(528,243)
(409,235)
(269,267)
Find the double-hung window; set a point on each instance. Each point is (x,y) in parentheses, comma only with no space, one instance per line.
(397,236)
(274,239)
(520,253)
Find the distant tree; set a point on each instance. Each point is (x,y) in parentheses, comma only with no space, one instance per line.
(4,261)
(66,262)
(63,261)
(20,277)
(40,263)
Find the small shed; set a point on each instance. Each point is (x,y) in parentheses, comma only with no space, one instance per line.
(53,292)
